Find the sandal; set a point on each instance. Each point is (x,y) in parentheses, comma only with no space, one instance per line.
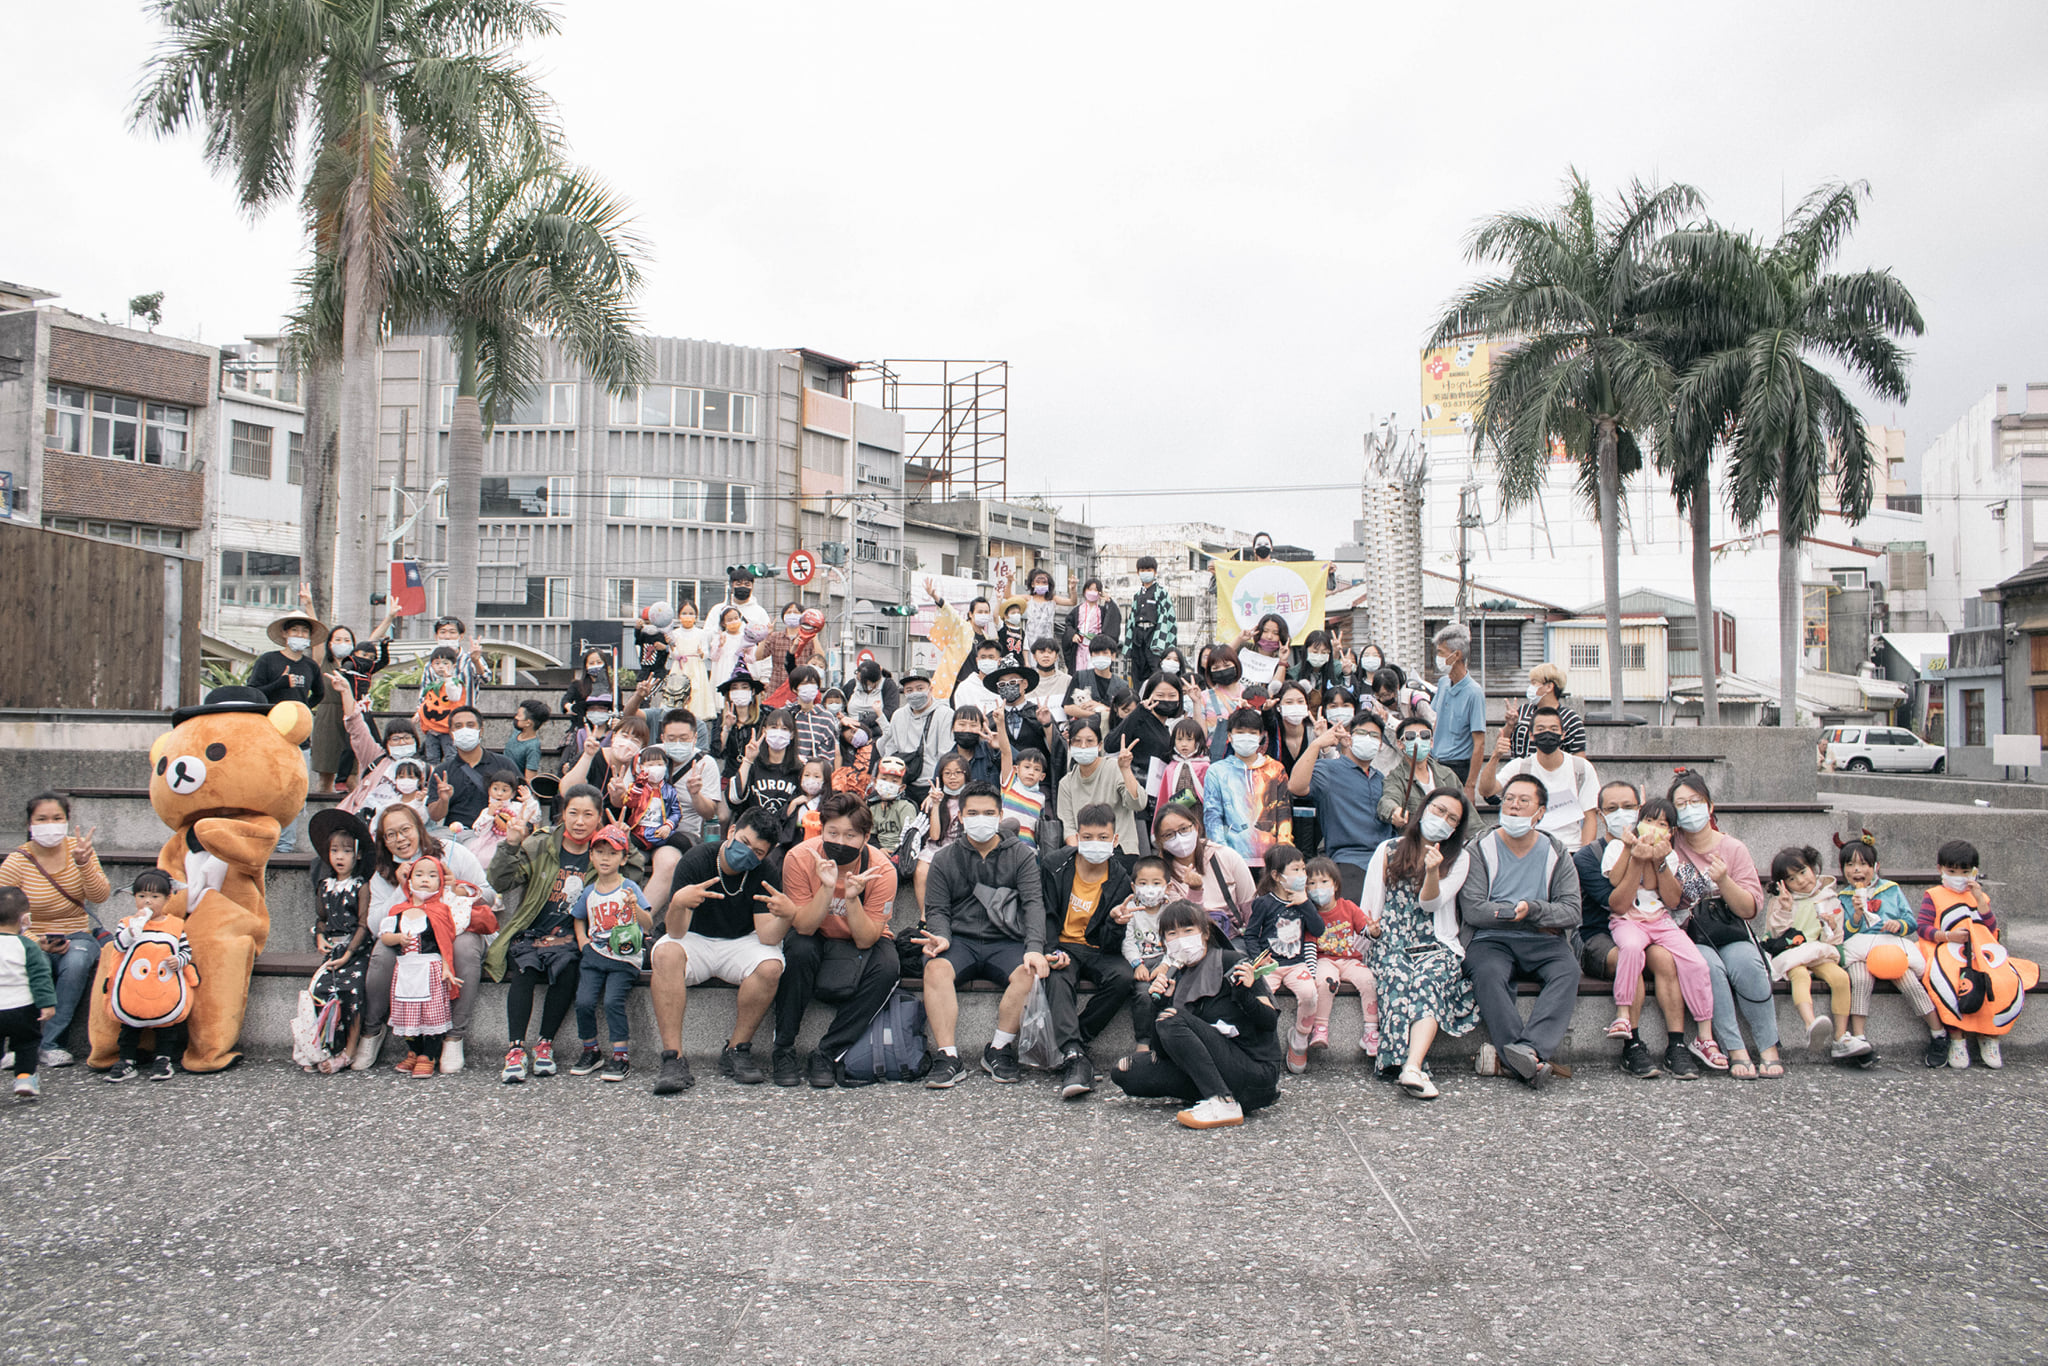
(1709,1052)
(1771,1069)
(1742,1069)
(1621,1028)
(1416,1083)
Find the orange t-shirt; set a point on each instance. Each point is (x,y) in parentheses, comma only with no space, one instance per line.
(801,878)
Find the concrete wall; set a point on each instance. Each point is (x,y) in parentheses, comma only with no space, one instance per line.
(1767,764)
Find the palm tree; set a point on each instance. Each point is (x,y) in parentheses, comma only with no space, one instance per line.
(1580,370)
(534,248)
(1795,438)
(366,92)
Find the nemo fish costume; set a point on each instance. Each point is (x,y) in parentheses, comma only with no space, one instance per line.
(152,984)
(1977,986)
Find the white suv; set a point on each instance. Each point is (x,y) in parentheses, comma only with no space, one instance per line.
(1887,749)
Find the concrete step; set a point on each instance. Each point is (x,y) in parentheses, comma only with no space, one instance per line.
(1935,788)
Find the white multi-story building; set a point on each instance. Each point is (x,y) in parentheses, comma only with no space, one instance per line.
(1984,487)
(253,536)
(1184,550)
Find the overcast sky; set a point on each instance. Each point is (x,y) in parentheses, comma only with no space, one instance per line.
(1208,238)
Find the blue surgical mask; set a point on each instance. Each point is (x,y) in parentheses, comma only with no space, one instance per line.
(1294,882)
(740,857)
(1693,817)
(1416,746)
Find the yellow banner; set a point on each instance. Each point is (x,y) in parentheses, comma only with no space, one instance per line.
(1249,589)
(1453,387)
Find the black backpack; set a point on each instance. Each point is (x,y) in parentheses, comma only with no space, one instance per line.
(892,1048)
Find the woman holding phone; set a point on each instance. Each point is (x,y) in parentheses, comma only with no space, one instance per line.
(60,871)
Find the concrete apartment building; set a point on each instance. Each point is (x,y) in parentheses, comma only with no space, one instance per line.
(253,553)
(1984,488)
(1184,551)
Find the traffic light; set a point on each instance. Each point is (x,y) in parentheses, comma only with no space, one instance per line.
(758,571)
(905,610)
(833,552)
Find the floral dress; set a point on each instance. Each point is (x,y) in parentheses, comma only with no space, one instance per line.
(1419,977)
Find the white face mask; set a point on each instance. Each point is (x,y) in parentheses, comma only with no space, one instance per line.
(653,773)
(1244,744)
(792,619)
(985,667)
(1180,845)
(48,834)
(1149,893)
(888,791)
(1318,658)
(1096,851)
(1340,716)
(1294,882)
(1956,882)
(1101,661)
(341,647)
(1435,828)
(775,739)
(681,751)
(982,619)
(299,643)
(1514,827)
(1621,821)
(1443,667)
(1146,576)
(741,697)
(807,693)
(468,737)
(1171,666)
(1085,755)
(1323,895)
(1184,949)
(597,719)
(981,829)
(1693,817)
(1531,692)
(917,701)
(1365,748)
(812,786)
(404,751)
(1294,713)
(406,786)
(1369,663)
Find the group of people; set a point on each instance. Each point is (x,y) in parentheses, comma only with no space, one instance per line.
(1080,802)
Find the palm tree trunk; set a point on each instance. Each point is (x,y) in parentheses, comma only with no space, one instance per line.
(355,557)
(465,482)
(316,494)
(1607,452)
(1791,625)
(1702,510)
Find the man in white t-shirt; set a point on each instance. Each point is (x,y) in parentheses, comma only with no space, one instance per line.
(1572,811)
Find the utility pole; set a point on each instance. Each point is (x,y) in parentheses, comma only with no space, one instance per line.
(1468,517)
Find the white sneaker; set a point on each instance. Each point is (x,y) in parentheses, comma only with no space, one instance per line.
(1958,1053)
(1849,1046)
(1487,1064)
(365,1056)
(1818,1034)
(25,1088)
(1987,1049)
(6,1060)
(451,1056)
(56,1057)
(1212,1114)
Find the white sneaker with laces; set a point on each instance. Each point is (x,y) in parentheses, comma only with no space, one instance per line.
(1487,1064)
(451,1056)
(1958,1053)
(1213,1113)
(1987,1049)
(367,1047)
(56,1057)
(1849,1046)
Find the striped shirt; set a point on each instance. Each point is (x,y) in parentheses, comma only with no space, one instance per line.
(53,912)
(1024,808)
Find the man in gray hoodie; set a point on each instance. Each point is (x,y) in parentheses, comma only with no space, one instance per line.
(984,917)
(1518,907)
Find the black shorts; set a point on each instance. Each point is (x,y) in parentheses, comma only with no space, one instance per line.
(994,959)
(1593,956)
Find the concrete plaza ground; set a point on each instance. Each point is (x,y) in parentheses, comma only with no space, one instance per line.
(264,1215)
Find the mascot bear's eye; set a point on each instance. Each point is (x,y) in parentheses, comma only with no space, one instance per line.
(163,764)
(216,752)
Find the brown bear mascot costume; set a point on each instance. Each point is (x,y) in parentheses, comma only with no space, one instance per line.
(227,778)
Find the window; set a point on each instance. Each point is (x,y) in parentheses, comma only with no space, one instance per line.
(1851,578)
(126,533)
(116,430)
(64,421)
(728,412)
(549,405)
(621,597)
(546,596)
(258,578)
(447,405)
(704,594)
(249,450)
(295,458)
(1635,656)
(640,500)
(1584,656)
(525,495)
(637,499)
(1973,716)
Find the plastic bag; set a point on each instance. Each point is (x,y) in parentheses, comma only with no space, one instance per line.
(308,1049)
(1036,1046)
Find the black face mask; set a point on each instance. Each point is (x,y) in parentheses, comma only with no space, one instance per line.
(1009,691)
(1224,676)
(1166,710)
(841,853)
(742,591)
(1548,741)
(967,740)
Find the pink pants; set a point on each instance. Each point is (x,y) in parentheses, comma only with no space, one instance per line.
(1330,971)
(1634,937)
(1299,980)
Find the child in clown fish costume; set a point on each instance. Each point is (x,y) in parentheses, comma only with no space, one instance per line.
(1977,987)
(1875,914)
(422,929)
(152,982)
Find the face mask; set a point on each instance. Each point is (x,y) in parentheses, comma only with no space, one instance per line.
(48,834)
(967,740)
(953,789)
(985,667)
(841,853)
(1294,882)
(981,829)
(1096,851)
(982,619)
(340,647)
(466,738)
(1514,827)
(298,643)
(623,752)
(1956,882)
(742,591)
(1085,755)
(1014,619)
(597,719)
(740,858)
(1171,666)
(406,786)
(888,791)
(741,697)
(1435,828)
(1317,658)
(653,773)
(917,701)
(1622,821)
(1223,676)
(1416,747)
(1531,692)
(1092,595)
(1244,744)
(732,628)
(1149,893)
(1365,748)
(1370,663)
(1547,741)
(1101,663)
(687,620)
(1167,711)
(1185,949)
(1693,818)
(1269,647)
(1180,845)
(1294,713)
(1146,576)
(404,751)
(807,693)
(680,751)
(1009,690)
(1443,668)
(595,670)
(1322,896)
(791,619)
(1041,589)
(775,739)
(1339,716)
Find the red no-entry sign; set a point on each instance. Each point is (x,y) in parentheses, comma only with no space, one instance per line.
(802,568)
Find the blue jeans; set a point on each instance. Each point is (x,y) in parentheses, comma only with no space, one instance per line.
(1741,980)
(611,980)
(73,970)
(288,838)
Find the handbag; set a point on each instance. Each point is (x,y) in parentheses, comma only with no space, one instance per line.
(913,759)
(101,936)
(1714,925)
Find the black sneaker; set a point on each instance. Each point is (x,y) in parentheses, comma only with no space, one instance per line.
(1937,1051)
(1679,1062)
(675,1076)
(1001,1063)
(127,1071)
(946,1072)
(737,1061)
(1078,1079)
(783,1064)
(615,1067)
(586,1064)
(820,1073)
(161,1069)
(1637,1060)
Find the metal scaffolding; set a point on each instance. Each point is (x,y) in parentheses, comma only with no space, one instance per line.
(956,418)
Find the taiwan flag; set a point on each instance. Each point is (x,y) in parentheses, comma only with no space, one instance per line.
(408,588)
